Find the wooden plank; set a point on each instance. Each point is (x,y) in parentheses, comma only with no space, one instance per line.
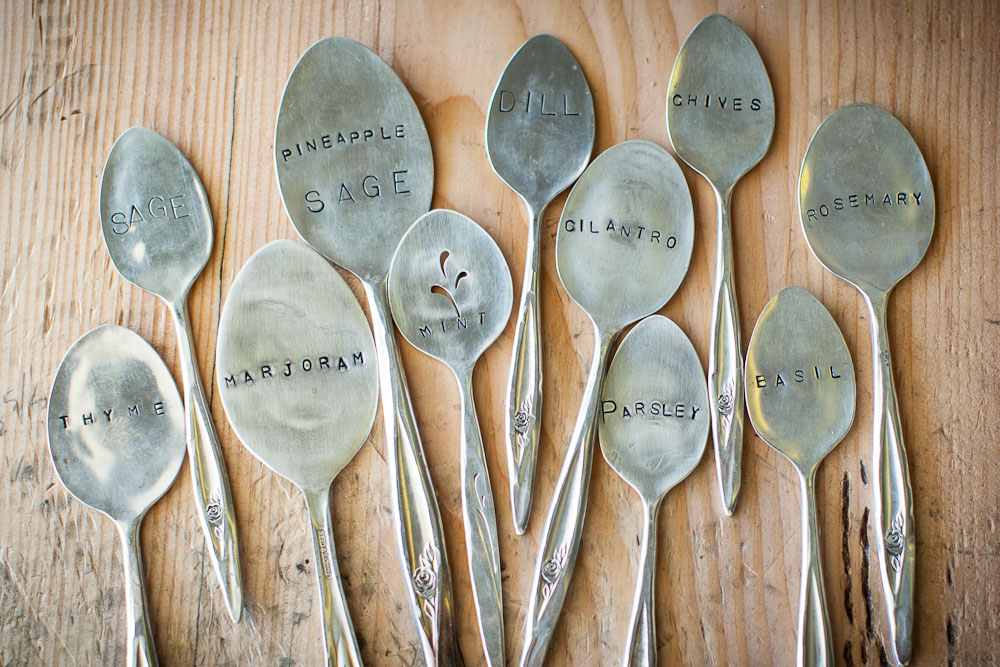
(209,77)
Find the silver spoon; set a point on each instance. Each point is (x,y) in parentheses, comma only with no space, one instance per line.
(355,170)
(867,209)
(116,436)
(654,427)
(720,117)
(800,395)
(158,230)
(450,293)
(297,374)
(623,246)
(539,136)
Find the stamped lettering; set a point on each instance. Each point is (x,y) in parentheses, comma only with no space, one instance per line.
(796,377)
(714,101)
(631,232)
(106,414)
(654,409)
(536,102)
(863,200)
(343,138)
(148,210)
(269,371)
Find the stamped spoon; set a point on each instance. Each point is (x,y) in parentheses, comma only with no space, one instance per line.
(867,209)
(720,117)
(355,170)
(116,436)
(297,374)
(450,294)
(623,246)
(800,395)
(539,136)
(158,230)
(653,429)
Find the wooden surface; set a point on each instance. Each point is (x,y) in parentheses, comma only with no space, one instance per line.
(209,76)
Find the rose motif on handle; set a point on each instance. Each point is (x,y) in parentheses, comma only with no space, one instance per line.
(552,569)
(213,511)
(424,581)
(894,541)
(725,403)
(522,420)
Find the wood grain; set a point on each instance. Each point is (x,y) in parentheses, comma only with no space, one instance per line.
(209,76)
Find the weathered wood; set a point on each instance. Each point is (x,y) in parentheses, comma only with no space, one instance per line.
(209,77)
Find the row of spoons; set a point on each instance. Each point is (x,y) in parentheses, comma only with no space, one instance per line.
(351,204)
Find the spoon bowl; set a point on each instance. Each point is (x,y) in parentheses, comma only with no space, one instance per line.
(297,374)
(539,137)
(866,203)
(450,293)
(355,170)
(800,394)
(450,290)
(116,437)
(720,118)
(352,156)
(157,227)
(654,427)
(623,246)
(626,235)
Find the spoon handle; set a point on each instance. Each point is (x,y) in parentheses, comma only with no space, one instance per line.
(640,646)
(725,364)
(481,529)
(815,644)
(213,499)
(523,422)
(141,651)
(894,523)
(415,515)
(564,522)
(339,641)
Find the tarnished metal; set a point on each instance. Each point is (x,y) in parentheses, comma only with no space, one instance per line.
(623,246)
(866,203)
(654,426)
(720,117)
(450,293)
(298,378)
(539,136)
(158,230)
(355,170)
(800,395)
(116,436)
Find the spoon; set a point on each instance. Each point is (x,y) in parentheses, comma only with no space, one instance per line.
(720,118)
(539,136)
(867,209)
(297,374)
(158,230)
(623,246)
(116,436)
(800,395)
(450,294)
(654,426)
(355,170)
